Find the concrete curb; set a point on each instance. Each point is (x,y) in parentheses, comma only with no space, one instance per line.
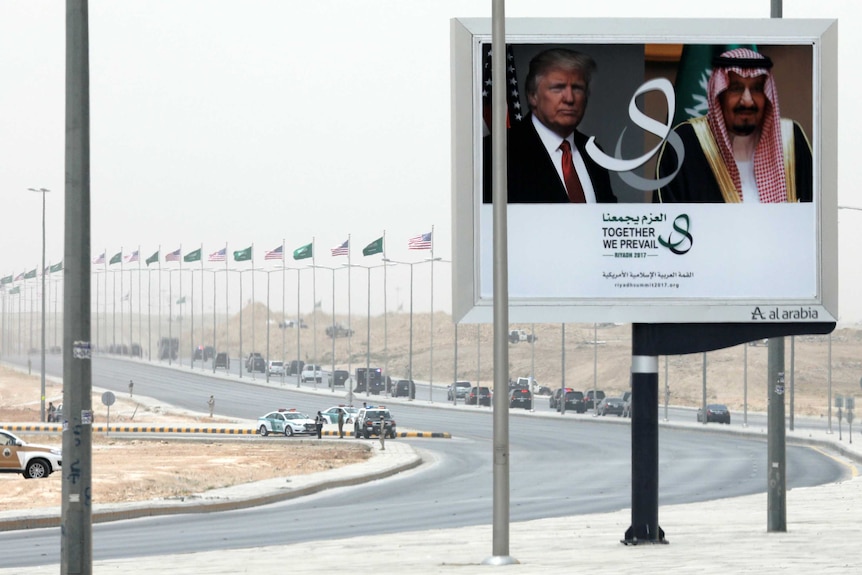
(208,430)
(384,463)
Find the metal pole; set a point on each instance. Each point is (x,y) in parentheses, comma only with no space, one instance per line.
(368,341)
(562,399)
(298,325)
(42,191)
(703,387)
(666,388)
(533,359)
(332,378)
(266,365)
(595,364)
(792,379)
(240,323)
(829,387)
(478,360)
(410,352)
(76,544)
(776,456)
(745,386)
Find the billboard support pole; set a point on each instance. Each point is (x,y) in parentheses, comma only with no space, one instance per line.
(644,429)
(500,536)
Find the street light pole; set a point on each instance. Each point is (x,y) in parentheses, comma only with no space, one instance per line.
(42,191)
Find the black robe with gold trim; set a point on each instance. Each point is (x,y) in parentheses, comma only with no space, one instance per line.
(697,182)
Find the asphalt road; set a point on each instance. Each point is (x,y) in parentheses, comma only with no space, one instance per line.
(559,466)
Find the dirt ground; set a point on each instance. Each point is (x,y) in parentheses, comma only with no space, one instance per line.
(127,470)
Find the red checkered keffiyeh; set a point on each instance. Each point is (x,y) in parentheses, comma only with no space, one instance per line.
(768,155)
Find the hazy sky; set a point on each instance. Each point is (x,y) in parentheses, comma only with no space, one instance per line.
(263,120)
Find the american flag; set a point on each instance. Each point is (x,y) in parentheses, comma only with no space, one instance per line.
(276,254)
(174,256)
(22,274)
(341,250)
(420,242)
(100,259)
(133,257)
(218,256)
(513,98)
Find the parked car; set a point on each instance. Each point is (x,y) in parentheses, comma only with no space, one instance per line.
(716,412)
(480,394)
(590,401)
(30,460)
(339,378)
(368,423)
(222,360)
(405,388)
(611,405)
(287,421)
(521,397)
(349,411)
(312,372)
(458,390)
(574,401)
(554,401)
(275,368)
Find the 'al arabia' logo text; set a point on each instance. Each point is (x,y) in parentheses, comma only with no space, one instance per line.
(624,167)
(680,240)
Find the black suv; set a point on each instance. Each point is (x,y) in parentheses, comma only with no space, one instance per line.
(480,394)
(339,378)
(222,360)
(520,397)
(405,388)
(367,423)
(255,362)
(574,401)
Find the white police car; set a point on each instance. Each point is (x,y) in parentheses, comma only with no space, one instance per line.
(287,421)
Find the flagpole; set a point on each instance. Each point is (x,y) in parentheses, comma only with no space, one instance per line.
(314,314)
(140,323)
(159,261)
(283,312)
(226,311)
(298,326)
(385,319)
(180,303)
(431,369)
(349,328)
(215,306)
(191,319)
(149,316)
(252,309)
(203,351)
(122,326)
(171,314)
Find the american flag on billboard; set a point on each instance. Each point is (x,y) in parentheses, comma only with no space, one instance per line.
(276,254)
(341,250)
(133,257)
(420,242)
(513,96)
(174,256)
(218,256)
(99,259)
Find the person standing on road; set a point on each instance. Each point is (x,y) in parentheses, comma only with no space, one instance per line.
(211,404)
(131,387)
(319,421)
(51,412)
(341,425)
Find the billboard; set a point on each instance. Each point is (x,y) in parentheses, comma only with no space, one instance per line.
(696,201)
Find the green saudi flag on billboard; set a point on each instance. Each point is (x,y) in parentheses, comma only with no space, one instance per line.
(304,252)
(374,247)
(242,255)
(153,258)
(194,256)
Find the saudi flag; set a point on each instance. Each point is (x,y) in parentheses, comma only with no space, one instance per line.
(374,247)
(31,274)
(117,258)
(6,280)
(304,252)
(56,268)
(182,300)
(14,290)
(153,258)
(242,255)
(194,256)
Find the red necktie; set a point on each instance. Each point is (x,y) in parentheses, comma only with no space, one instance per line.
(573,184)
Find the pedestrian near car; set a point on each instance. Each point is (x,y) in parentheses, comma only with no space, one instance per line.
(382,432)
(51,411)
(341,425)
(211,404)
(319,422)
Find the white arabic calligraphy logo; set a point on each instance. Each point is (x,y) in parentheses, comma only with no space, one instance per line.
(624,167)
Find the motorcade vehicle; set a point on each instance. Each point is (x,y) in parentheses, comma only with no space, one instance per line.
(611,406)
(295,367)
(521,397)
(533,385)
(458,390)
(519,335)
(275,368)
(349,411)
(590,400)
(716,412)
(290,422)
(29,459)
(371,420)
(339,378)
(202,352)
(222,361)
(404,388)
(372,378)
(554,401)
(338,330)
(255,362)
(482,395)
(312,372)
(573,401)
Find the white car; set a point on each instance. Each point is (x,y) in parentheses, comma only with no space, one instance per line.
(275,368)
(349,411)
(287,421)
(311,372)
(30,460)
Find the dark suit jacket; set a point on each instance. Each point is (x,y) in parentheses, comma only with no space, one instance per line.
(532,175)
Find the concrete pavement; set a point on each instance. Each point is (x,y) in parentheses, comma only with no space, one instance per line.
(824,529)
